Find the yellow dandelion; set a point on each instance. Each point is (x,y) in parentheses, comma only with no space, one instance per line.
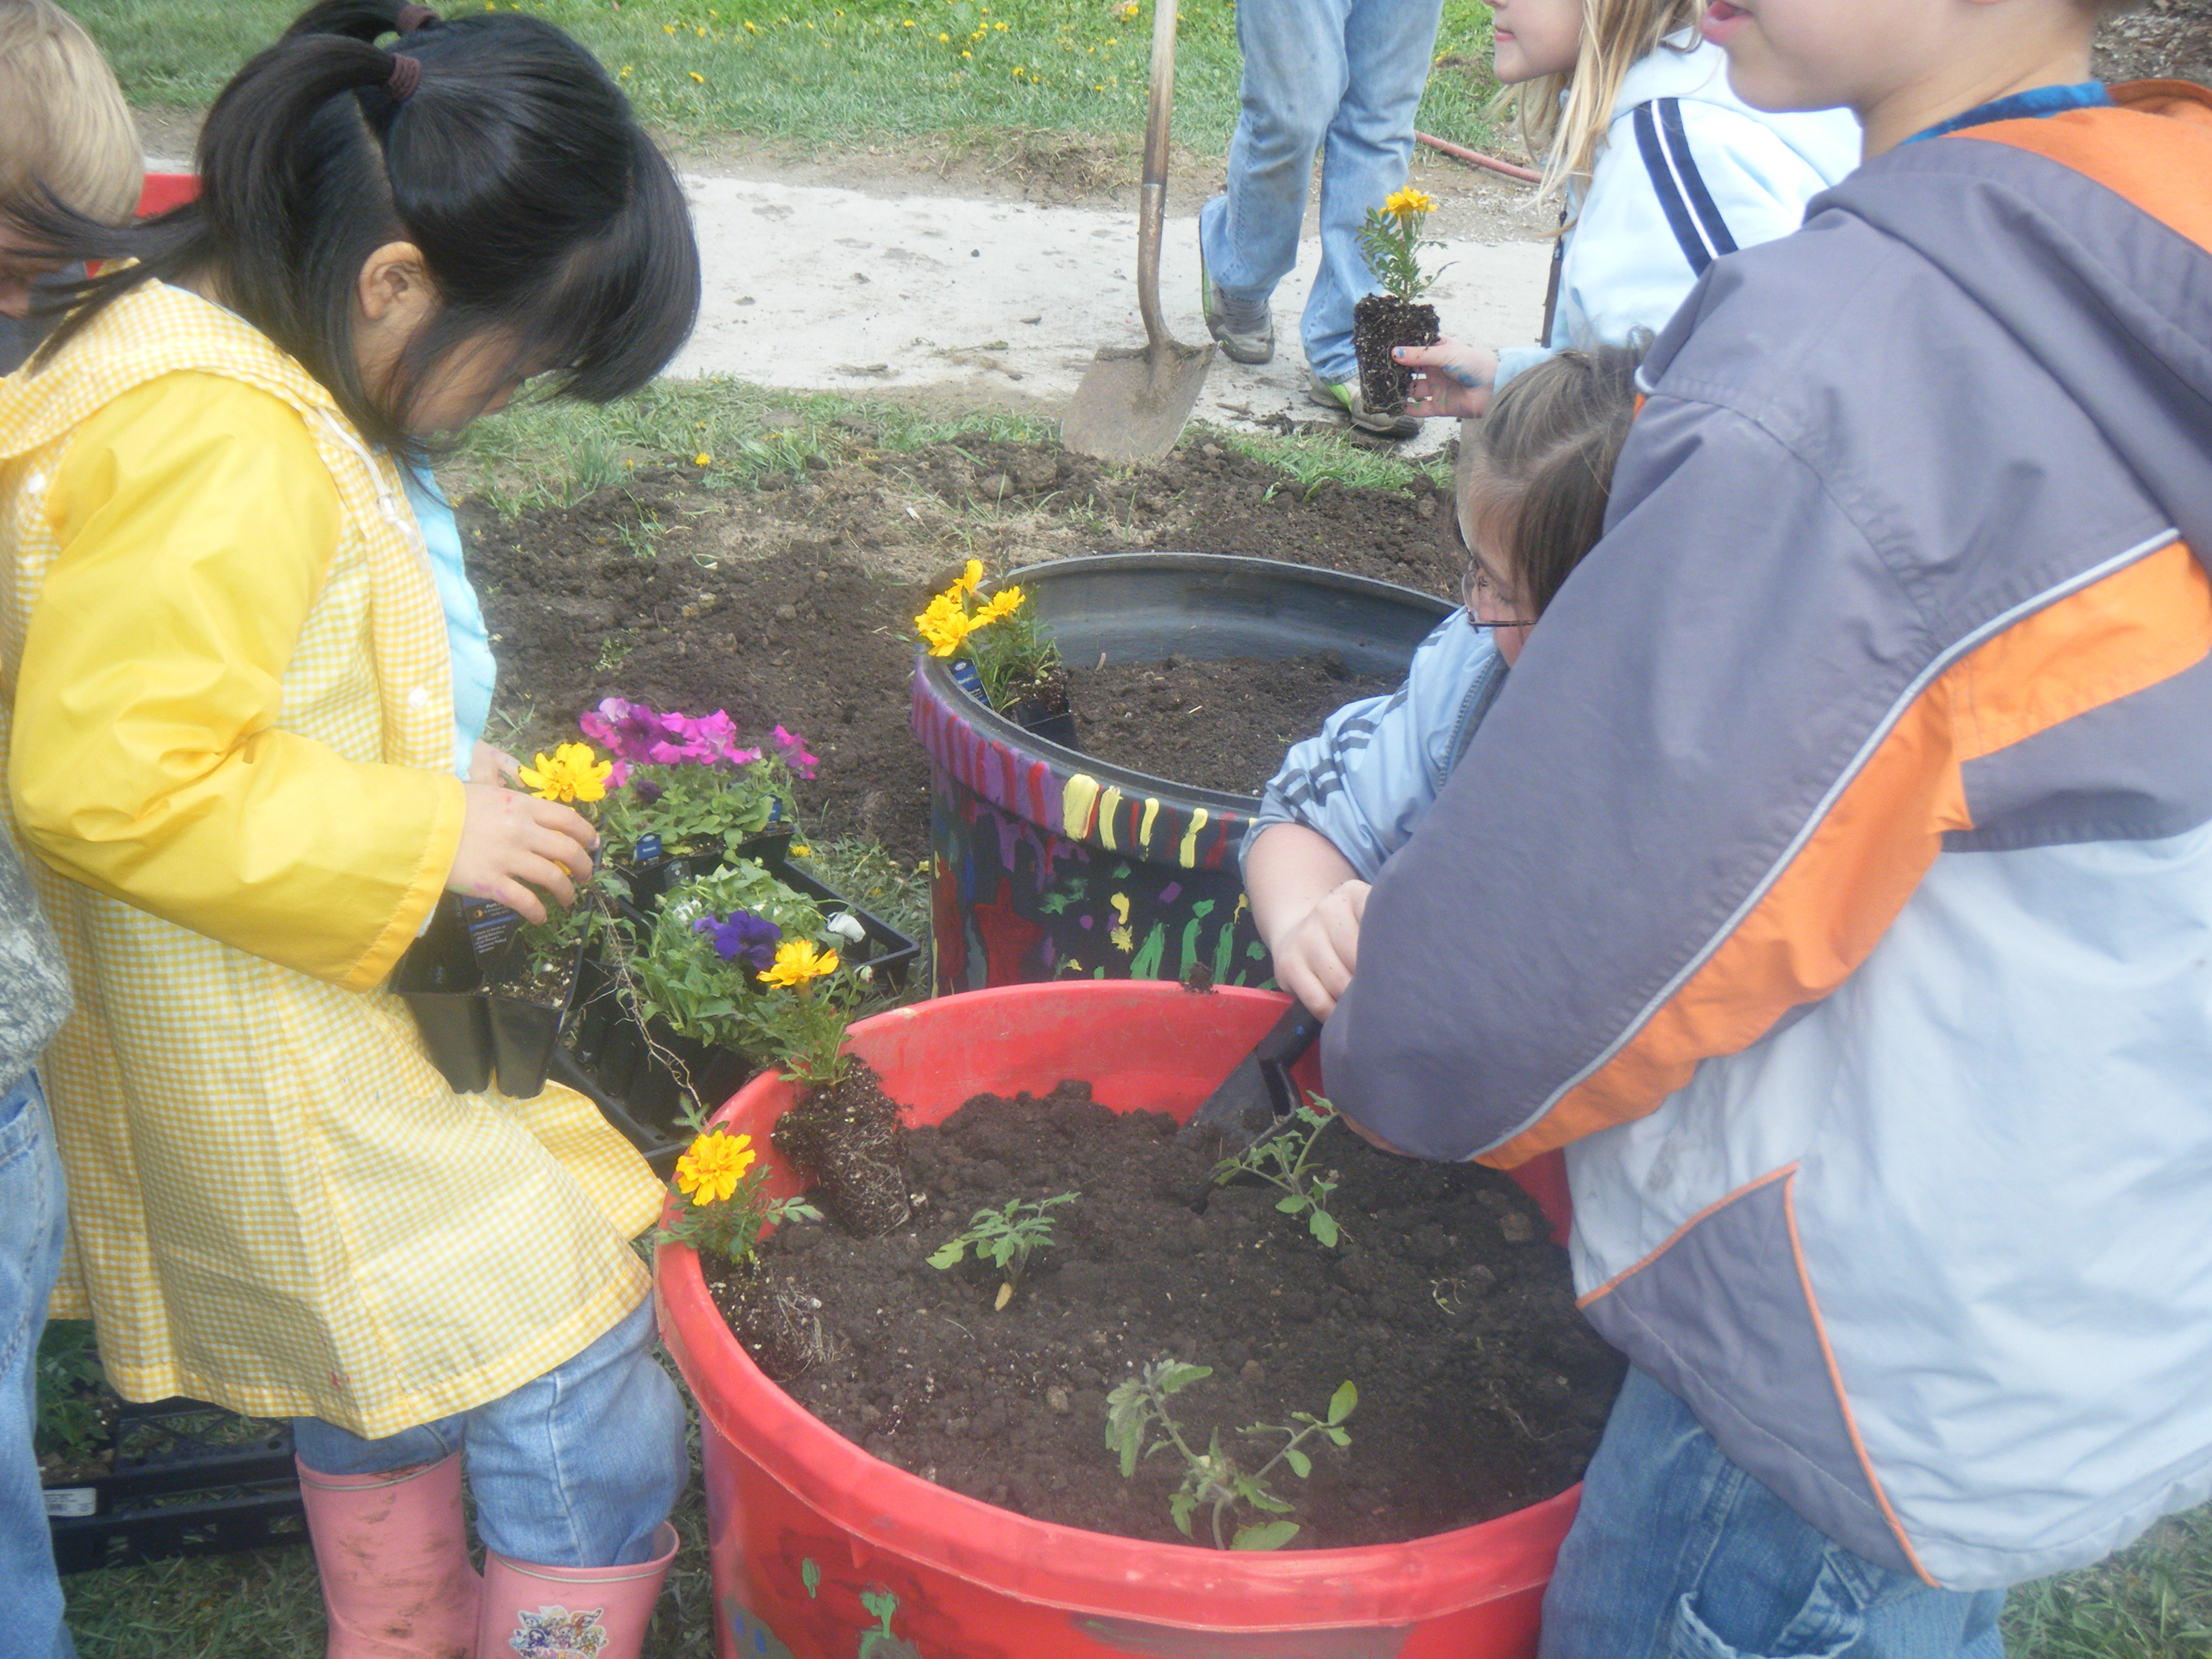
(701,80)
(942,38)
(798,961)
(573,773)
(710,1171)
(668,28)
(702,459)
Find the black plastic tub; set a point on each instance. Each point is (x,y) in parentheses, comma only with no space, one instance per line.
(1047,864)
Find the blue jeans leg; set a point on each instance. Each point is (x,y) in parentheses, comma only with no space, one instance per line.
(1677,1553)
(575,1468)
(32,1212)
(1388,43)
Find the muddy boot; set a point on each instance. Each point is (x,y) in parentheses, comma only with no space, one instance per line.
(392,1551)
(599,1611)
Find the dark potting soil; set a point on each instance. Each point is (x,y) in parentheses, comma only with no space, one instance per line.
(1481,1388)
(795,605)
(1220,724)
(848,1138)
(1381,322)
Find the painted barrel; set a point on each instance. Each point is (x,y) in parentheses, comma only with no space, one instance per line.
(819,1551)
(1050,865)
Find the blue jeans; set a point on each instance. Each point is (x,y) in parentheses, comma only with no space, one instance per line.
(1343,77)
(32,1211)
(1677,1553)
(578,1469)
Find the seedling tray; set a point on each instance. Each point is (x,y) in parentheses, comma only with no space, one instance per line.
(186,1478)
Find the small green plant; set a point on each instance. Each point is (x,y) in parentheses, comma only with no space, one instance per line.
(694,809)
(72,1419)
(1013,654)
(1211,1479)
(1285,1160)
(1007,1238)
(721,1178)
(1391,242)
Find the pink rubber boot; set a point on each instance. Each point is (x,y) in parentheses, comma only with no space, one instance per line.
(589,1612)
(392,1552)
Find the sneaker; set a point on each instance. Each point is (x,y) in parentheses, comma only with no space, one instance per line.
(1343,396)
(1244,328)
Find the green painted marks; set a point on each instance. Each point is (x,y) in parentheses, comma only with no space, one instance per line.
(1056,902)
(811,1576)
(1199,913)
(1122,870)
(1223,948)
(1146,965)
(882,1642)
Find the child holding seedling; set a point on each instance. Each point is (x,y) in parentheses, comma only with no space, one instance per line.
(1530,503)
(1662,167)
(1832,875)
(232,739)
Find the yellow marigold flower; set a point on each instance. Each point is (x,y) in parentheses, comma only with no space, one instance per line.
(943,626)
(798,961)
(1408,201)
(969,579)
(1004,603)
(574,773)
(710,1171)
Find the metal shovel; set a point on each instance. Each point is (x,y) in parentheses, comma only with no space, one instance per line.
(1132,404)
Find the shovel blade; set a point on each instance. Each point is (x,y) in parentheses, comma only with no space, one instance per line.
(1131,406)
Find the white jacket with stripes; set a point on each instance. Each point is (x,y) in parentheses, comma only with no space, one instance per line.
(1688,171)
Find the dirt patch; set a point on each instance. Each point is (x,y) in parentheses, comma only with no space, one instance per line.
(2165,39)
(1481,1388)
(1218,725)
(795,604)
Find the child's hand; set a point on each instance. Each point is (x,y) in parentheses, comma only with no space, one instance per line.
(1449,378)
(508,840)
(491,765)
(1316,955)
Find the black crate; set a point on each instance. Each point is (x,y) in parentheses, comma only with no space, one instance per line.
(186,1478)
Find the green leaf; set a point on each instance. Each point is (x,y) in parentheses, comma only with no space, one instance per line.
(1266,1535)
(1301,1465)
(1291,1204)
(946,1255)
(1180,1506)
(1258,1497)
(1342,1403)
(1178,1378)
(1341,1436)
(1322,1225)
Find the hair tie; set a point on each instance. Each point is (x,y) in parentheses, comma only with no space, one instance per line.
(406,75)
(411,18)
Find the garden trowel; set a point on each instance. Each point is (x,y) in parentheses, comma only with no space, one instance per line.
(1132,404)
(1260,1093)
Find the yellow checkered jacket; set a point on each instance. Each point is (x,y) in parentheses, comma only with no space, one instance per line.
(226,730)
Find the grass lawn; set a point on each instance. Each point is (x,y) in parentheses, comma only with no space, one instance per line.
(826,76)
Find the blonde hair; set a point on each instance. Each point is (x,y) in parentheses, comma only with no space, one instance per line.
(1563,118)
(68,130)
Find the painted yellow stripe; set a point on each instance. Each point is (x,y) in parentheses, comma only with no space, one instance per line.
(1109,807)
(1188,852)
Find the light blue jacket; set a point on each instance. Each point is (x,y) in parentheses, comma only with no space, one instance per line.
(1689,172)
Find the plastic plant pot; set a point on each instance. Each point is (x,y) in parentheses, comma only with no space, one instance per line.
(1050,865)
(440,980)
(523,1032)
(819,1551)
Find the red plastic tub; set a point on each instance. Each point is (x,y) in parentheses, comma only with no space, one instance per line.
(821,1551)
(164,190)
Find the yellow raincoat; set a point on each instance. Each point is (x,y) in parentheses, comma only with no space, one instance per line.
(226,726)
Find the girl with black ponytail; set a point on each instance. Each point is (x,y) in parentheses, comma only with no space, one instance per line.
(239,730)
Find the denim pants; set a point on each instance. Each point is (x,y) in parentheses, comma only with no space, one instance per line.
(32,1211)
(1343,77)
(1677,1553)
(578,1469)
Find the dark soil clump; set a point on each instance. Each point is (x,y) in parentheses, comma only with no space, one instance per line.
(848,1138)
(1481,1388)
(1220,724)
(2166,40)
(1380,323)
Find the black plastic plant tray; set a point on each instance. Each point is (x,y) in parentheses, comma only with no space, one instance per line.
(187,1479)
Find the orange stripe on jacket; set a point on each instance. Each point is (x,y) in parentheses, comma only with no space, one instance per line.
(1838,895)
(2153,148)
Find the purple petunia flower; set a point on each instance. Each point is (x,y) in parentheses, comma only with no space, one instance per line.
(745,936)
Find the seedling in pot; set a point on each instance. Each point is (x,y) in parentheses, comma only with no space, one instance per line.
(722,1181)
(1211,1479)
(1286,1161)
(1007,1238)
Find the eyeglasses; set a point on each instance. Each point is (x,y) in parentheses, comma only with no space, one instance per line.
(1473,582)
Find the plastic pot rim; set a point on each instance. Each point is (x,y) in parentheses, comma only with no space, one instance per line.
(1185,1585)
(1130,782)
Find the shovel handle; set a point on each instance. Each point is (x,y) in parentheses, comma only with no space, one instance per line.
(1152,206)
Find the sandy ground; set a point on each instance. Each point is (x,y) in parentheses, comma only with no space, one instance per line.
(1005,301)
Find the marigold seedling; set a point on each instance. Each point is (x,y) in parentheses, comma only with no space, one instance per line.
(1007,1238)
(721,1179)
(1285,1160)
(1211,1479)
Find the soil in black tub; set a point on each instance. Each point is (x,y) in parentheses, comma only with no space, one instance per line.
(1220,724)
(1481,1388)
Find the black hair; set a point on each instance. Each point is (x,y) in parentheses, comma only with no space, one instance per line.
(546,218)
